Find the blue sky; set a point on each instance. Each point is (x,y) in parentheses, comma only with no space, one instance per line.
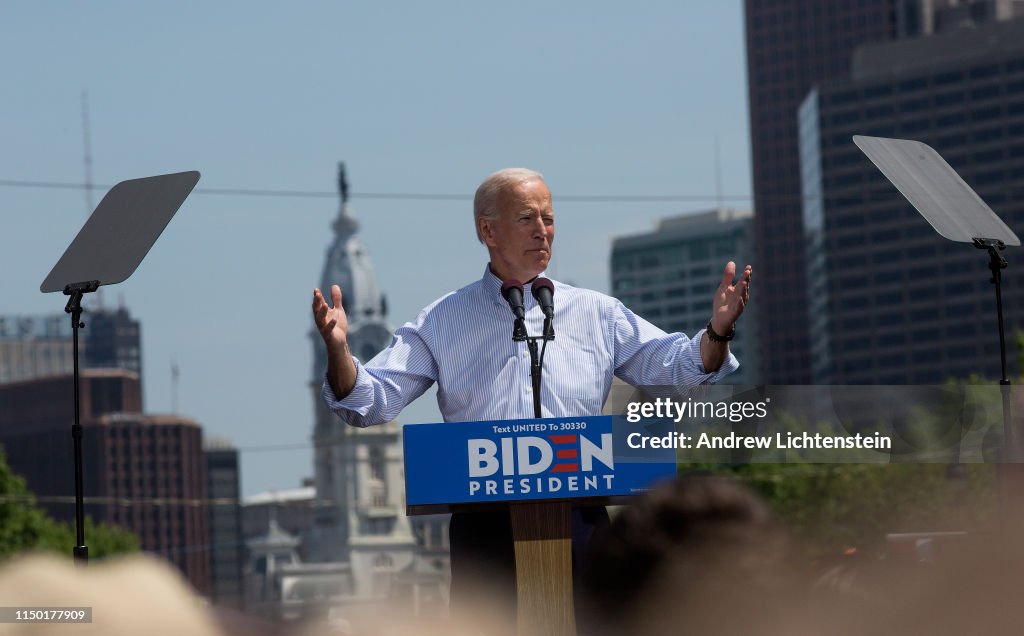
(603,98)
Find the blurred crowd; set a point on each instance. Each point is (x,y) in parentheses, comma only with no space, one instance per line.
(698,555)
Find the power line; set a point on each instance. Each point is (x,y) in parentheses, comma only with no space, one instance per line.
(274,447)
(714,199)
(394,196)
(191,502)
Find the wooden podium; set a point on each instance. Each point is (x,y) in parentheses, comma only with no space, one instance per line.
(538,469)
(542,533)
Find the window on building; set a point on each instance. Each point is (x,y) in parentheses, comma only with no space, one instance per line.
(986,114)
(979,72)
(950,98)
(988,134)
(873,92)
(377,463)
(912,85)
(953,77)
(986,92)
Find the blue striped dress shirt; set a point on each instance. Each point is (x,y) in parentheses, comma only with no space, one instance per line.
(463,341)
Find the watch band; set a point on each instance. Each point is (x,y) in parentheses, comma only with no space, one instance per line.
(714,337)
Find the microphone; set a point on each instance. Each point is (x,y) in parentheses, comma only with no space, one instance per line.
(512,291)
(544,291)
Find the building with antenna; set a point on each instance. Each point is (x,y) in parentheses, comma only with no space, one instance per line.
(145,473)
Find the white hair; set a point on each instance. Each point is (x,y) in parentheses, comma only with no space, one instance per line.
(485,203)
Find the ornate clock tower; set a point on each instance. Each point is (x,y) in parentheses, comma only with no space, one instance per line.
(359,509)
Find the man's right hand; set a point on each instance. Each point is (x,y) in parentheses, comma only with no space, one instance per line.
(332,323)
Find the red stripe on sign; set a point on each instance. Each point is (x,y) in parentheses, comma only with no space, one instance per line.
(566,468)
(562,439)
(566,454)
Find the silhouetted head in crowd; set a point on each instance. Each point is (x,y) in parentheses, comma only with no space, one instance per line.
(682,551)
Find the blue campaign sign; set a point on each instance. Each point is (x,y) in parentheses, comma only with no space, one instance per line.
(524,460)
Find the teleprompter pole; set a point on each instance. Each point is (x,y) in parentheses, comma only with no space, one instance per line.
(996,264)
(1009,472)
(74,307)
(107,250)
(956,212)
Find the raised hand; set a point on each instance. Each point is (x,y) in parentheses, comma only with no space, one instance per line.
(331,321)
(730,299)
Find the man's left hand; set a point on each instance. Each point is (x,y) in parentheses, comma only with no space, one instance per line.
(730,299)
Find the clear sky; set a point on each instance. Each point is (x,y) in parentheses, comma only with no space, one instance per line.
(416,97)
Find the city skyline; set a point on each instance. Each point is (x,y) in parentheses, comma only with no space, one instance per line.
(621,103)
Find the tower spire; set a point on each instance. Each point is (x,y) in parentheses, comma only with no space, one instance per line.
(346,224)
(342,183)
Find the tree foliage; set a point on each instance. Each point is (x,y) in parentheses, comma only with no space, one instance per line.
(26,526)
(832,504)
(832,507)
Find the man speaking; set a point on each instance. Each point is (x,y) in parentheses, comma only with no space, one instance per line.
(463,342)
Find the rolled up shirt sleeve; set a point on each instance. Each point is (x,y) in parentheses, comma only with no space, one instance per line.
(647,356)
(386,384)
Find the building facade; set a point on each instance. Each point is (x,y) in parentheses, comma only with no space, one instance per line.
(226,549)
(290,508)
(890,300)
(38,346)
(358,514)
(113,340)
(144,473)
(792,45)
(34,346)
(668,276)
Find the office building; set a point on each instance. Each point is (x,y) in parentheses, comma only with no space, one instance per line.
(113,340)
(669,276)
(793,46)
(890,300)
(34,346)
(37,346)
(225,549)
(144,473)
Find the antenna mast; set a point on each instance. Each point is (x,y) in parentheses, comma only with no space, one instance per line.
(88,153)
(87,160)
(718,174)
(174,385)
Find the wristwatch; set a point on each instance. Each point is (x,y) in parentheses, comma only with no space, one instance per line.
(714,337)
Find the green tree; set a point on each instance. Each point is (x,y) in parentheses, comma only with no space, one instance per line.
(829,507)
(25,526)
(830,503)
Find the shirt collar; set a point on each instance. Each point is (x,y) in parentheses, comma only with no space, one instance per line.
(492,286)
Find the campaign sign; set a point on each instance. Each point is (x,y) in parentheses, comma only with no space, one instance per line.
(524,460)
